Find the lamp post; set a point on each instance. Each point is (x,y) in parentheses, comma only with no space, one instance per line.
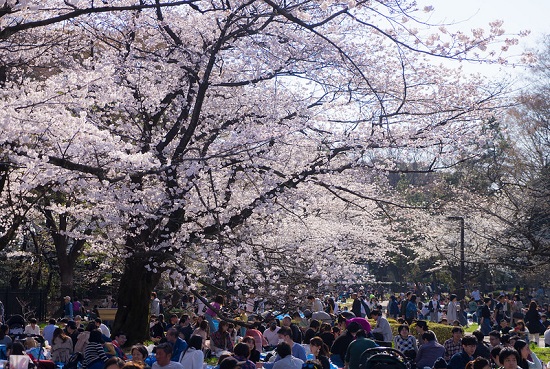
(461,291)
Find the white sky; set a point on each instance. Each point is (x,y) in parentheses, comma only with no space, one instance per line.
(518,15)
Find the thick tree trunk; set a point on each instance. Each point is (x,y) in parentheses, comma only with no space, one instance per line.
(66,275)
(134,296)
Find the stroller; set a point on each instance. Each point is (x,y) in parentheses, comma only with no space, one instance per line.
(16,324)
(383,358)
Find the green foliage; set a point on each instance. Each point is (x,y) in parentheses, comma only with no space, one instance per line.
(442,331)
(543,353)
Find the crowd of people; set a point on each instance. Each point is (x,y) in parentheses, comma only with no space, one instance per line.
(323,334)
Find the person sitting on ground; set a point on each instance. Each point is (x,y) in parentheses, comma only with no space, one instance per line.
(114,363)
(158,329)
(312,331)
(163,354)
(482,349)
(509,358)
(382,328)
(241,352)
(229,363)
(405,342)
(321,351)
(271,335)
(104,329)
(202,331)
(429,352)
(341,343)
(94,355)
(297,350)
(32,328)
(285,358)
(178,344)
(83,338)
(495,351)
(364,323)
(527,358)
(460,359)
(521,330)
(504,326)
(118,343)
(479,363)
(48,330)
(62,346)
(19,350)
(259,339)
(220,340)
(421,327)
(173,321)
(139,354)
(5,339)
(356,348)
(193,357)
(454,344)
(494,339)
(254,354)
(296,332)
(185,329)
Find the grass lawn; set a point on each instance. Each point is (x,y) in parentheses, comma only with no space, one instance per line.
(543,353)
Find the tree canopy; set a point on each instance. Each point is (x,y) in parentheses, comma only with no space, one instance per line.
(245,143)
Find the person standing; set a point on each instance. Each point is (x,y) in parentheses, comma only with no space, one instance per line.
(452,309)
(68,307)
(434,308)
(532,320)
(211,314)
(155,304)
(485,321)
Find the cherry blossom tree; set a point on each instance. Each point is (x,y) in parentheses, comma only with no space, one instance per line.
(243,143)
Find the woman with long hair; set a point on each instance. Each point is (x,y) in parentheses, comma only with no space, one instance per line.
(62,346)
(522,331)
(193,357)
(321,351)
(527,358)
(532,320)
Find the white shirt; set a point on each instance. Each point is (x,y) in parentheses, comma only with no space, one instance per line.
(170,365)
(271,336)
(547,337)
(383,327)
(30,330)
(105,330)
(193,359)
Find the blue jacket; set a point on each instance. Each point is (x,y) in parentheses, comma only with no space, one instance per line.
(179,347)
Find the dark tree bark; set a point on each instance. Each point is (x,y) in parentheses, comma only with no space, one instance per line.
(134,295)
